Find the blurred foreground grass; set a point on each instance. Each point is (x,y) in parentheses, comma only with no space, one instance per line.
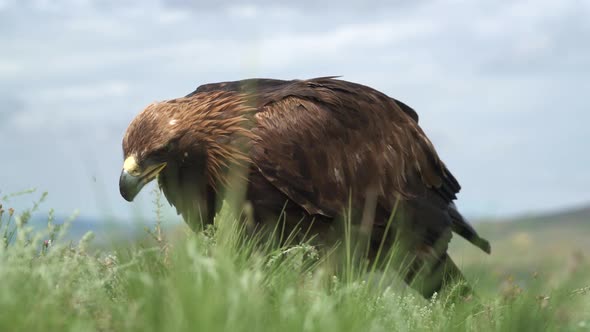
(536,279)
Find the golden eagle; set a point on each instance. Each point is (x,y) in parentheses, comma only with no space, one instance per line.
(310,150)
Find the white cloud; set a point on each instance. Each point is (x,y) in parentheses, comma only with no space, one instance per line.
(105,26)
(350,37)
(9,68)
(62,111)
(60,5)
(5,4)
(247,11)
(88,92)
(173,16)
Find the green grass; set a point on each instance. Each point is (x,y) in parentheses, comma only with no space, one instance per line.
(219,281)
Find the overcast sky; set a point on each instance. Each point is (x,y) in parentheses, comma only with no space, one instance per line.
(501,87)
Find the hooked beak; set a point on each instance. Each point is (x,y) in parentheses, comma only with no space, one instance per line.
(133,177)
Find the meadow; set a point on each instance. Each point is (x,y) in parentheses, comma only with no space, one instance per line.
(537,279)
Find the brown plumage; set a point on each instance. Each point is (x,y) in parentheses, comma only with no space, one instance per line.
(310,149)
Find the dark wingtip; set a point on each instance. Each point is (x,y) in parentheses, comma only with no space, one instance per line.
(484,245)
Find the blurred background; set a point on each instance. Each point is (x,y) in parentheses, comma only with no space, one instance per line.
(501,87)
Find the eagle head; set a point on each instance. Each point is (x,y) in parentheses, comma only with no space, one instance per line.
(199,133)
(150,143)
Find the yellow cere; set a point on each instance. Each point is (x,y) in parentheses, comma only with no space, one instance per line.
(130,165)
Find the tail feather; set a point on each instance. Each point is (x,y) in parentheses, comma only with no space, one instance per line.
(463,228)
(429,276)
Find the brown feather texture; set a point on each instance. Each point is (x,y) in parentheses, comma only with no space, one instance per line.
(311,149)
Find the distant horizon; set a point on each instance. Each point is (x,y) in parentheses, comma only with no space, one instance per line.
(170,215)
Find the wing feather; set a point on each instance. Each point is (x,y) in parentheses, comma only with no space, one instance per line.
(323,139)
